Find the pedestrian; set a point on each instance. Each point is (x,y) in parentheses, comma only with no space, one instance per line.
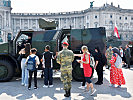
(116,74)
(108,54)
(65,59)
(87,69)
(32,63)
(81,66)
(48,64)
(127,56)
(24,53)
(99,66)
(122,54)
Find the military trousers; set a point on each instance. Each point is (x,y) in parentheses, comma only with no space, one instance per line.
(66,78)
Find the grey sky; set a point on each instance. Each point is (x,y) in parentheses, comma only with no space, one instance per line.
(45,6)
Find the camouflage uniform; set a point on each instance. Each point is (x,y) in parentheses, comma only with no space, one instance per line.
(109,53)
(65,59)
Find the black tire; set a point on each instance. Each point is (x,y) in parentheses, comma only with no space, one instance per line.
(78,72)
(6,71)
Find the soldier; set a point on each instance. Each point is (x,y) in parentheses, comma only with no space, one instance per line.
(109,53)
(65,59)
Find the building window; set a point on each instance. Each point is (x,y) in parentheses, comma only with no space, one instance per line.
(110,25)
(17,29)
(110,16)
(96,17)
(120,18)
(125,18)
(96,24)
(34,28)
(87,25)
(131,18)
(25,28)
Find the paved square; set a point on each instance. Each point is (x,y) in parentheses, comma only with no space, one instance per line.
(14,91)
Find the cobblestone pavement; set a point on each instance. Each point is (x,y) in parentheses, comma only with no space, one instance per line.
(14,91)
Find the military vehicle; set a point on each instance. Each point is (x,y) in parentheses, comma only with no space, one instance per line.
(92,37)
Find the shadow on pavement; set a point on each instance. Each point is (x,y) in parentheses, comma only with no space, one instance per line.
(14,89)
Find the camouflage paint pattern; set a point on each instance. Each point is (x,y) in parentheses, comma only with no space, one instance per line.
(91,37)
(109,53)
(65,59)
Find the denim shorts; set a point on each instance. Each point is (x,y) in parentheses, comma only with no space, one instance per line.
(88,79)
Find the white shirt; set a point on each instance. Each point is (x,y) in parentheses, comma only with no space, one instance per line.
(37,59)
(121,52)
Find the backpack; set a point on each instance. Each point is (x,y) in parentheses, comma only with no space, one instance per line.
(118,62)
(92,61)
(31,63)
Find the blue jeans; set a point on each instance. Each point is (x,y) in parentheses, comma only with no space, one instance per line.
(48,76)
(25,72)
(88,79)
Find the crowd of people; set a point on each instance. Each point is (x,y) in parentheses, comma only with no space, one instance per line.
(116,59)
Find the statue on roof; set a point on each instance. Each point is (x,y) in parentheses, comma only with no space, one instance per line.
(91,4)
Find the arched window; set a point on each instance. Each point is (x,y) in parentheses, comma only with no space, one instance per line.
(87,25)
(126,26)
(96,24)
(110,25)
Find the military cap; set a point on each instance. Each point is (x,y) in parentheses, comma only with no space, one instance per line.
(65,43)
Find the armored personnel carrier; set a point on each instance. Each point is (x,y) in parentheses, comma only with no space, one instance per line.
(91,37)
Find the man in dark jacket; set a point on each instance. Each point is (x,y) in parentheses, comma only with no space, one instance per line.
(127,56)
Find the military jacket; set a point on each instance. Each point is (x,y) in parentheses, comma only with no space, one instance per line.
(65,59)
(109,53)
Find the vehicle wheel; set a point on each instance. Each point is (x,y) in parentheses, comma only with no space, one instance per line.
(6,70)
(78,72)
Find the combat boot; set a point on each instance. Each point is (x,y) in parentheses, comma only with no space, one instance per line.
(67,94)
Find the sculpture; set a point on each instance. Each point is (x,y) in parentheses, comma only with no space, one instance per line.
(91,4)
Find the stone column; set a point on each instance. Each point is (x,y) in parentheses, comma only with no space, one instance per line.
(20,24)
(28,23)
(9,20)
(59,23)
(4,19)
(37,25)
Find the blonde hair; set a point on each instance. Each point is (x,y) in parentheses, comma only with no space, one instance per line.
(85,49)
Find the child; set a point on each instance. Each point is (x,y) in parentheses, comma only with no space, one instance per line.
(32,62)
(47,62)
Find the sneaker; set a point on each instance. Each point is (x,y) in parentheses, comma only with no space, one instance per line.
(29,88)
(26,85)
(93,91)
(22,84)
(35,88)
(81,87)
(45,86)
(51,86)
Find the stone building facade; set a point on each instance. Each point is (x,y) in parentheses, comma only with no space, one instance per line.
(106,16)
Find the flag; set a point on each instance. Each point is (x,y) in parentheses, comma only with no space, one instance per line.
(116,32)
